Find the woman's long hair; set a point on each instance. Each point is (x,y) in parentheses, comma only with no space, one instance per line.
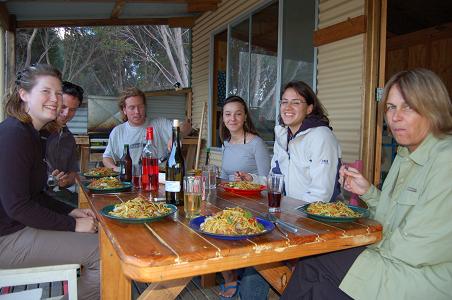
(248,126)
(26,80)
(318,110)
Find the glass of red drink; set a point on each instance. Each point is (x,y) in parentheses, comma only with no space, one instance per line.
(275,184)
(136,176)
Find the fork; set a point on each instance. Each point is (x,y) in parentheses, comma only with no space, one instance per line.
(285,225)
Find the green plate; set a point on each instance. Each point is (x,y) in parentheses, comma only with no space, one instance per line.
(126,186)
(105,212)
(362,211)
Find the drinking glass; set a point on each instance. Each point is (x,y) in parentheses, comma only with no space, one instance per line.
(136,176)
(192,196)
(209,176)
(231,177)
(275,184)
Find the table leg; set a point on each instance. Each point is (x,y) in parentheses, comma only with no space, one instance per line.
(165,289)
(113,283)
(276,274)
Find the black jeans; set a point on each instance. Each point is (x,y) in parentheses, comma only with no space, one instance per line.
(318,277)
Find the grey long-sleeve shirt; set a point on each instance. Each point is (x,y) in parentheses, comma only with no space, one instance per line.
(252,157)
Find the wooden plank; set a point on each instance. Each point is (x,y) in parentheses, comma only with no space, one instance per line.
(82,199)
(117,9)
(165,290)
(381,83)
(420,37)
(371,64)
(115,285)
(208,280)
(81,140)
(5,18)
(199,6)
(185,22)
(170,249)
(276,274)
(339,31)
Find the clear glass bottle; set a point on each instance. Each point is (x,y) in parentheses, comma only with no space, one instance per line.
(175,169)
(149,162)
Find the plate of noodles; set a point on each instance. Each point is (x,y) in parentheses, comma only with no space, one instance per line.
(108,185)
(334,211)
(243,187)
(100,172)
(138,210)
(231,224)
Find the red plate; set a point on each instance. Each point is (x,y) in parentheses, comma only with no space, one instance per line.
(242,192)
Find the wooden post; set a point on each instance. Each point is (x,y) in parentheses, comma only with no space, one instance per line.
(198,148)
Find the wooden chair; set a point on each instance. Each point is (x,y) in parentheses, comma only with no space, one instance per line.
(33,275)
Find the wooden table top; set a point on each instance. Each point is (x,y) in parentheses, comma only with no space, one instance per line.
(170,249)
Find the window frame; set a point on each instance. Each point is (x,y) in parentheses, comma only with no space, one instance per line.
(279,58)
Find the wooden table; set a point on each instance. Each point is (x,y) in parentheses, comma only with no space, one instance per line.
(169,253)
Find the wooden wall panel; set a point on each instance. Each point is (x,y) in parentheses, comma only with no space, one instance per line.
(434,53)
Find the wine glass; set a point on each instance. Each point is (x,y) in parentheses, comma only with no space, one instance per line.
(52,181)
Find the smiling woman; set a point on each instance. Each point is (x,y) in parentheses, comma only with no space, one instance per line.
(33,224)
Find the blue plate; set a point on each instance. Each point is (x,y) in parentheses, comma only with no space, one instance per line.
(126,186)
(105,212)
(362,211)
(196,223)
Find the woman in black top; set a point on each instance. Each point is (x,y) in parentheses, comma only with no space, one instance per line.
(35,229)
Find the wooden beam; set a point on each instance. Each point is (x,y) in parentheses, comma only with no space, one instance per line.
(186,22)
(172,22)
(201,6)
(339,31)
(5,18)
(418,37)
(119,4)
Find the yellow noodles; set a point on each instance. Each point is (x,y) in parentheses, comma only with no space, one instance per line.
(105,183)
(243,185)
(138,208)
(101,171)
(333,209)
(232,221)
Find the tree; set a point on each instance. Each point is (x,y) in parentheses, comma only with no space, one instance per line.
(104,60)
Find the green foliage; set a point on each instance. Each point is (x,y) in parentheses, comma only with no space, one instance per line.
(104,60)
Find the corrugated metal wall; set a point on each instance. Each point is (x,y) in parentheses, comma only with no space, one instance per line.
(339,69)
(340,73)
(227,10)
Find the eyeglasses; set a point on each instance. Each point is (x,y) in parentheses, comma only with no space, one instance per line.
(293,102)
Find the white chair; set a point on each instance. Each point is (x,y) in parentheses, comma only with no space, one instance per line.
(23,276)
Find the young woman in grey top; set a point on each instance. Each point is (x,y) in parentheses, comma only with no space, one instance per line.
(243,152)
(243,149)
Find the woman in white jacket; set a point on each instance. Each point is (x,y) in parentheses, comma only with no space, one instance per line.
(306,150)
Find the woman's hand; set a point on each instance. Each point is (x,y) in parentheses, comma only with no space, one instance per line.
(87,224)
(82,213)
(353,181)
(243,176)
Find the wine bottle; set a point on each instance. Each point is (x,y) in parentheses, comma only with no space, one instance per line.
(149,162)
(175,169)
(126,165)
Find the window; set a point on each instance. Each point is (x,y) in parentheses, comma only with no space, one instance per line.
(252,52)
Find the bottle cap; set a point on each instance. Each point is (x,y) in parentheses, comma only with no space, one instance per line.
(149,133)
(176,123)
